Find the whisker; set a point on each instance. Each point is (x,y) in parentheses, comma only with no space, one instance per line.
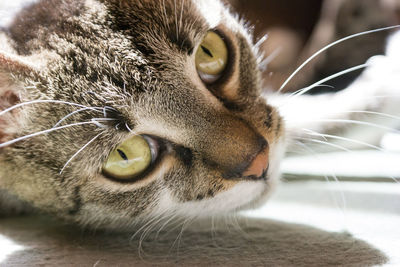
(144,226)
(127,127)
(339,147)
(45,101)
(294,94)
(150,227)
(264,63)
(105,108)
(185,224)
(342,207)
(384,96)
(104,119)
(176,21)
(261,41)
(343,139)
(329,46)
(69,115)
(166,222)
(374,113)
(96,121)
(79,151)
(181,16)
(44,132)
(142,237)
(98,124)
(324,143)
(357,122)
(333,76)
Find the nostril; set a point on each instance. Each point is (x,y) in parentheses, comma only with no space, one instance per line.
(254,167)
(258,166)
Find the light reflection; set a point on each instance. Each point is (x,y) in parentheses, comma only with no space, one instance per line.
(7,247)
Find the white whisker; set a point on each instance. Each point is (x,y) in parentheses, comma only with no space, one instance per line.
(343,139)
(127,127)
(117,126)
(103,119)
(361,123)
(336,146)
(271,57)
(176,21)
(166,222)
(144,226)
(45,101)
(79,151)
(324,143)
(261,41)
(185,224)
(43,132)
(354,122)
(332,174)
(105,110)
(98,124)
(181,16)
(69,115)
(333,76)
(329,46)
(374,113)
(293,94)
(96,121)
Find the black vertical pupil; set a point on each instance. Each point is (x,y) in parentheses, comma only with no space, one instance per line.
(122,154)
(205,50)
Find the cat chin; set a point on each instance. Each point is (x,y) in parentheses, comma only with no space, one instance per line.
(222,203)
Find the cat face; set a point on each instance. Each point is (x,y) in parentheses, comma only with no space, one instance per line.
(164,117)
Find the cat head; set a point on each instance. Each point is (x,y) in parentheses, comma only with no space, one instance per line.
(138,109)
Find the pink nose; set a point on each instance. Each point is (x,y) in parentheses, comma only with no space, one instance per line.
(259,165)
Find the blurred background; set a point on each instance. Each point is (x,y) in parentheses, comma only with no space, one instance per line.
(295,29)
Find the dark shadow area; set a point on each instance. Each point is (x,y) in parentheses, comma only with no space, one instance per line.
(252,242)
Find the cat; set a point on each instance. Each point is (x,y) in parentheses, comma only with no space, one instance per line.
(116,112)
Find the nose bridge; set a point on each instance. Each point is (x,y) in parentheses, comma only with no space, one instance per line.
(224,141)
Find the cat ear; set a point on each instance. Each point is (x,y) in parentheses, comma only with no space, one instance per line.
(12,68)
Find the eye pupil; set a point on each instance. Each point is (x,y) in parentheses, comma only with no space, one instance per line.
(205,50)
(122,154)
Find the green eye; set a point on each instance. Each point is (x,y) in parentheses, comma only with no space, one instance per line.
(131,158)
(211,57)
